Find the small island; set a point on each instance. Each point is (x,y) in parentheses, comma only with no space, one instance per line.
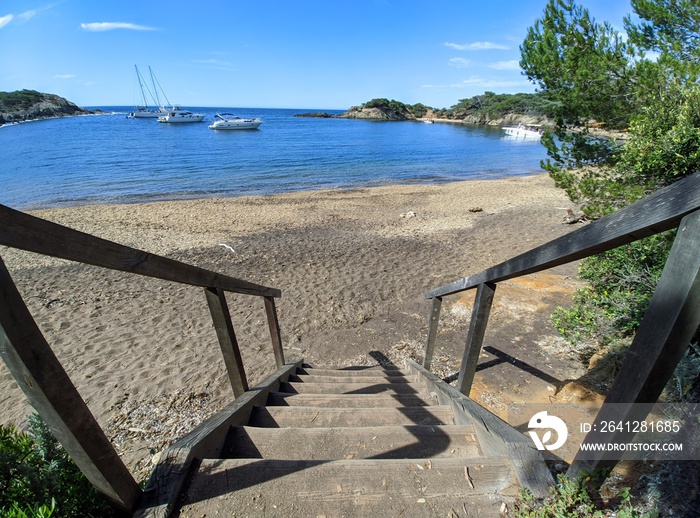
(26,105)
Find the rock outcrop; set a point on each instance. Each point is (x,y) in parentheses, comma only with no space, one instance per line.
(316,115)
(24,105)
(382,113)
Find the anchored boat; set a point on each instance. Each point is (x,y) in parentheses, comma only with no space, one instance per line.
(228,121)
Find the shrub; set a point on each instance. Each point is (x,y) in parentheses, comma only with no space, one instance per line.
(38,478)
(571,498)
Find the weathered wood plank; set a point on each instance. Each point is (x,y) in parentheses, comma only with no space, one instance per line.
(660,211)
(475,338)
(216,298)
(26,232)
(663,336)
(52,394)
(433,323)
(205,441)
(496,437)
(274,325)
(362,488)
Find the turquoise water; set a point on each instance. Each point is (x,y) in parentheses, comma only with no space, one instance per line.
(111,159)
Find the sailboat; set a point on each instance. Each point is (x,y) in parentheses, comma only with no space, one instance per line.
(145,112)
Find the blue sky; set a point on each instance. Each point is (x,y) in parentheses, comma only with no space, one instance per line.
(315,54)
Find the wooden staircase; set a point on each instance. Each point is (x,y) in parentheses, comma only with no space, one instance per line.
(372,442)
(367,441)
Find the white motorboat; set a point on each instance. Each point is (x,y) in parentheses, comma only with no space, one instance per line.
(178,115)
(228,121)
(524,131)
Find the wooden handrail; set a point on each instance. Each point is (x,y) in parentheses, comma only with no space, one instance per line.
(656,213)
(26,232)
(671,320)
(43,379)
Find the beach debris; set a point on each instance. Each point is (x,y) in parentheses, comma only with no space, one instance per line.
(476,209)
(143,427)
(227,247)
(468,477)
(408,215)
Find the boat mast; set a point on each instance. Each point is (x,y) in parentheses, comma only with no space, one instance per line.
(155,82)
(143,95)
(143,86)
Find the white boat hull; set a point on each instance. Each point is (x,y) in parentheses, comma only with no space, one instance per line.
(522,133)
(228,121)
(224,125)
(180,118)
(145,115)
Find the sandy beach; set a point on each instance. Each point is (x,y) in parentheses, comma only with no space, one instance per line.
(352,267)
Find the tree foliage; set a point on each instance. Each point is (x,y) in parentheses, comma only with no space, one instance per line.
(495,106)
(584,65)
(599,79)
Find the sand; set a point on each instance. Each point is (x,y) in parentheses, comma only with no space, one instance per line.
(352,266)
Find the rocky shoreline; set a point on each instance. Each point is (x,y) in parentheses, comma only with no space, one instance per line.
(29,105)
(385,114)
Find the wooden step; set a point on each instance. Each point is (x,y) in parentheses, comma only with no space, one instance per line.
(406,488)
(309,417)
(376,380)
(383,442)
(351,400)
(352,388)
(349,373)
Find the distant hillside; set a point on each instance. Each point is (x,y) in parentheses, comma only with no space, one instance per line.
(24,105)
(489,108)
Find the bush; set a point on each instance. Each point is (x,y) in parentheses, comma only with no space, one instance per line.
(571,498)
(38,478)
(621,283)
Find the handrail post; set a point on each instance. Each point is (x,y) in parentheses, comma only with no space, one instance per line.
(216,298)
(433,322)
(274,325)
(475,338)
(50,391)
(671,320)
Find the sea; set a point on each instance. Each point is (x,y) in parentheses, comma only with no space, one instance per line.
(108,158)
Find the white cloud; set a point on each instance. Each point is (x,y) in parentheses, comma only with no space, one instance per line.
(459,62)
(27,15)
(477,45)
(110,26)
(4,20)
(23,17)
(513,64)
(214,64)
(64,76)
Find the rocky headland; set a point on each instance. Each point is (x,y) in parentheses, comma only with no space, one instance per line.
(26,105)
(391,110)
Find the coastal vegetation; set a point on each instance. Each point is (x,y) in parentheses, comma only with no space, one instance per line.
(490,105)
(600,79)
(479,109)
(487,108)
(38,479)
(644,82)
